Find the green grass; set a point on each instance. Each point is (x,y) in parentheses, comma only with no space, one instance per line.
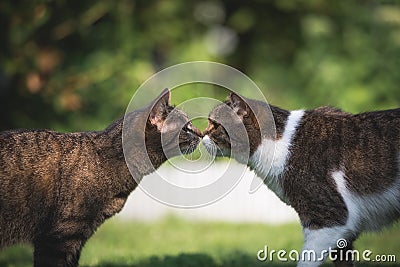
(176,242)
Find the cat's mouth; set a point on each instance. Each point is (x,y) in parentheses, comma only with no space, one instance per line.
(189,138)
(189,146)
(213,149)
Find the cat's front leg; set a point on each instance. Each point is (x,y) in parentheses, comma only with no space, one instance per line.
(320,243)
(58,252)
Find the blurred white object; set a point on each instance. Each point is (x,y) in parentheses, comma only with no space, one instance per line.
(237,206)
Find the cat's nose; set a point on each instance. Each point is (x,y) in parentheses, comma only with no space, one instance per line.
(205,133)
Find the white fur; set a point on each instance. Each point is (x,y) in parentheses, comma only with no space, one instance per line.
(269,160)
(369,212)
(321,241)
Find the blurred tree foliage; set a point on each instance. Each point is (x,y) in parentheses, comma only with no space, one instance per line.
(74,65)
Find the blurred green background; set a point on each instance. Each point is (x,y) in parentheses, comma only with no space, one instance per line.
(74,65)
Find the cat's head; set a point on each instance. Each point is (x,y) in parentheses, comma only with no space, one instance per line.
(168,130)
(234,128)
(155,133)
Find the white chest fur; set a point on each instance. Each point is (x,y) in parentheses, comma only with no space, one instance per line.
(269,160)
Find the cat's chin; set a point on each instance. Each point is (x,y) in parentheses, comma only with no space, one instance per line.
(189,148)
(213,149)
(217,152)
(223,153)
(242,159)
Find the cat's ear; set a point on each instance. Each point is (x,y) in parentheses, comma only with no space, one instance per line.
(239,105)
(159,108)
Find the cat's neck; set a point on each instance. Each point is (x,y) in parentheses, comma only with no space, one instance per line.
(111,139)
(280,118)
(110,146)
(270,158)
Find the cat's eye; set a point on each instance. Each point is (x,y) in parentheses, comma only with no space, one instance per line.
(214,123)
(188,128)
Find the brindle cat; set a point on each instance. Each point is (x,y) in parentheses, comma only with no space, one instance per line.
(339,171)
(57,188)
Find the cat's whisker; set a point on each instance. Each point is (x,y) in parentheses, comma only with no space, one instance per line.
(219,149)
(188,149)
(213,148)
(185,152)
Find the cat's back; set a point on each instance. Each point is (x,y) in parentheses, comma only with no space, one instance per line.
(40,143)
(367,143)
(20,149)
(42,155)
(383,125)
(374,130)
(387,121)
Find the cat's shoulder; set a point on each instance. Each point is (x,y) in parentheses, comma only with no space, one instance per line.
(330,111)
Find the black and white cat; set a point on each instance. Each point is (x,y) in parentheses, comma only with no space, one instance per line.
(339,171)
